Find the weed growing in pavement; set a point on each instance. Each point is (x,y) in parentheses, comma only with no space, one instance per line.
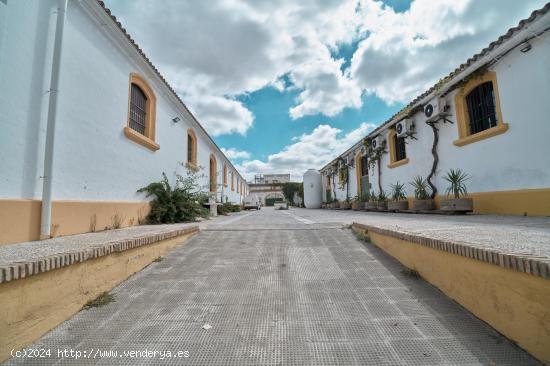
(412,273)
(103,299)
(158,259)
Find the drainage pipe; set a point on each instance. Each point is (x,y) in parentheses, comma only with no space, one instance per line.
(47,178)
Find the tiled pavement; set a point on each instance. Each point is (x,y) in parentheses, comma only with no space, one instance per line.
(279,291)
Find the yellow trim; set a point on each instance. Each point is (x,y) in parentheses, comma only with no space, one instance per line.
(358,169)
(148,138)
(33,306)
(140,139)
(213,173)
(232,181)
(391,140)
(398,163)
(462,116)
(191,133)
(514,303)
(224,175)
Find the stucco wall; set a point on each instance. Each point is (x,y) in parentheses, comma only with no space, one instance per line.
(93,160)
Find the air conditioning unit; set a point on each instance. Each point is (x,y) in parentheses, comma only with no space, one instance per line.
(435,109)
(377,142)
(404,127)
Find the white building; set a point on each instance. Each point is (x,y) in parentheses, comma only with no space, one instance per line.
(82,106)
(494,125)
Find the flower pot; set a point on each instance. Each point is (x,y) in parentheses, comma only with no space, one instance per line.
(356,206)
(323,205)
(382,205)
(457,204)
(423,205)
(345,205)
(398,205)
(371,205)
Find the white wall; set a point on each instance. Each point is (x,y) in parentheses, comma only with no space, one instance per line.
(93,160)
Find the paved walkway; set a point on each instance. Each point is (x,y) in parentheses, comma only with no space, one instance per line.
(279,288)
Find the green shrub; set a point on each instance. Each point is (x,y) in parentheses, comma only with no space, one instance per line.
(421,187)
(183,202)
(227,207)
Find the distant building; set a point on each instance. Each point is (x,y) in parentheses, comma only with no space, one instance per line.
(271,178)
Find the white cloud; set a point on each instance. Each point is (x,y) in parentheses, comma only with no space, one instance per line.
(221,115)
(234,154)
(405,53)
(213,51)
(311,150)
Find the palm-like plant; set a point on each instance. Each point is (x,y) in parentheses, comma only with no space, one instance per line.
(382,196)
(373,197)
(398,192)
(457,185)
(421,187)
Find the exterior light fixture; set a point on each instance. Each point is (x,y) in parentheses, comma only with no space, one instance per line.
(175,119)
(525,47)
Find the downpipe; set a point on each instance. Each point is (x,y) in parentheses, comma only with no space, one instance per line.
(47,178)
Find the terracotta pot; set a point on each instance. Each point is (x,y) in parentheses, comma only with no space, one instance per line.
(398,205)
(356,206)
(457,204)
(423,205)
(345,205)
(371,205)
(382,205)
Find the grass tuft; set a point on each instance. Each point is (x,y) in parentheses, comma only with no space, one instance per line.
(158,259)
(103,299)
(412,273)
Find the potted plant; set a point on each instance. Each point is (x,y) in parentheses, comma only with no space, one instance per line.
(382,204)
(345,205)
(372,203)
(457,189)
(335,204)
(422,200)
(398,200)
(357,204)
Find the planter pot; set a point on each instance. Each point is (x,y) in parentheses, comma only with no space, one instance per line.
(457,204)
(382,205)
(423,205)
(334,205)
(323,205)
(345,205)
(371,205)
(356,206)
(398,205)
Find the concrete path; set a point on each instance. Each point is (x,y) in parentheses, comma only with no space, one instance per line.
(277,288)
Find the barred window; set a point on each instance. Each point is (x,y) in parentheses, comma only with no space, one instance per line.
(138,109)
(400,151)
(481,108)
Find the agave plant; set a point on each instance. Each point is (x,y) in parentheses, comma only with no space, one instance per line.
(373,197)
(398,192)
(421,187)
(382,196)
(457,186)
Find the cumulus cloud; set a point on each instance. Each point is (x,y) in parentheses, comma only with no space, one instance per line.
(405,53)
(310,150)
(213,51)
(235,154)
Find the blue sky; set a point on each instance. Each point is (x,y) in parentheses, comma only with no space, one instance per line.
(285,85)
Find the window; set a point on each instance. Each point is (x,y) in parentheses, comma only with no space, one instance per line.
(364,165)
(478,110)
(480,103)
(398,151)
(213,174)
(191,147)
(232,181)
(225,175)
(140,126)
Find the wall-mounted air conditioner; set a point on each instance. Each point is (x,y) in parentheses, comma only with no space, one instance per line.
(405,127)
(378,142)
(436,109)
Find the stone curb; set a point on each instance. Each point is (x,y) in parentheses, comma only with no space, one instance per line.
(19,270)
(536,266)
